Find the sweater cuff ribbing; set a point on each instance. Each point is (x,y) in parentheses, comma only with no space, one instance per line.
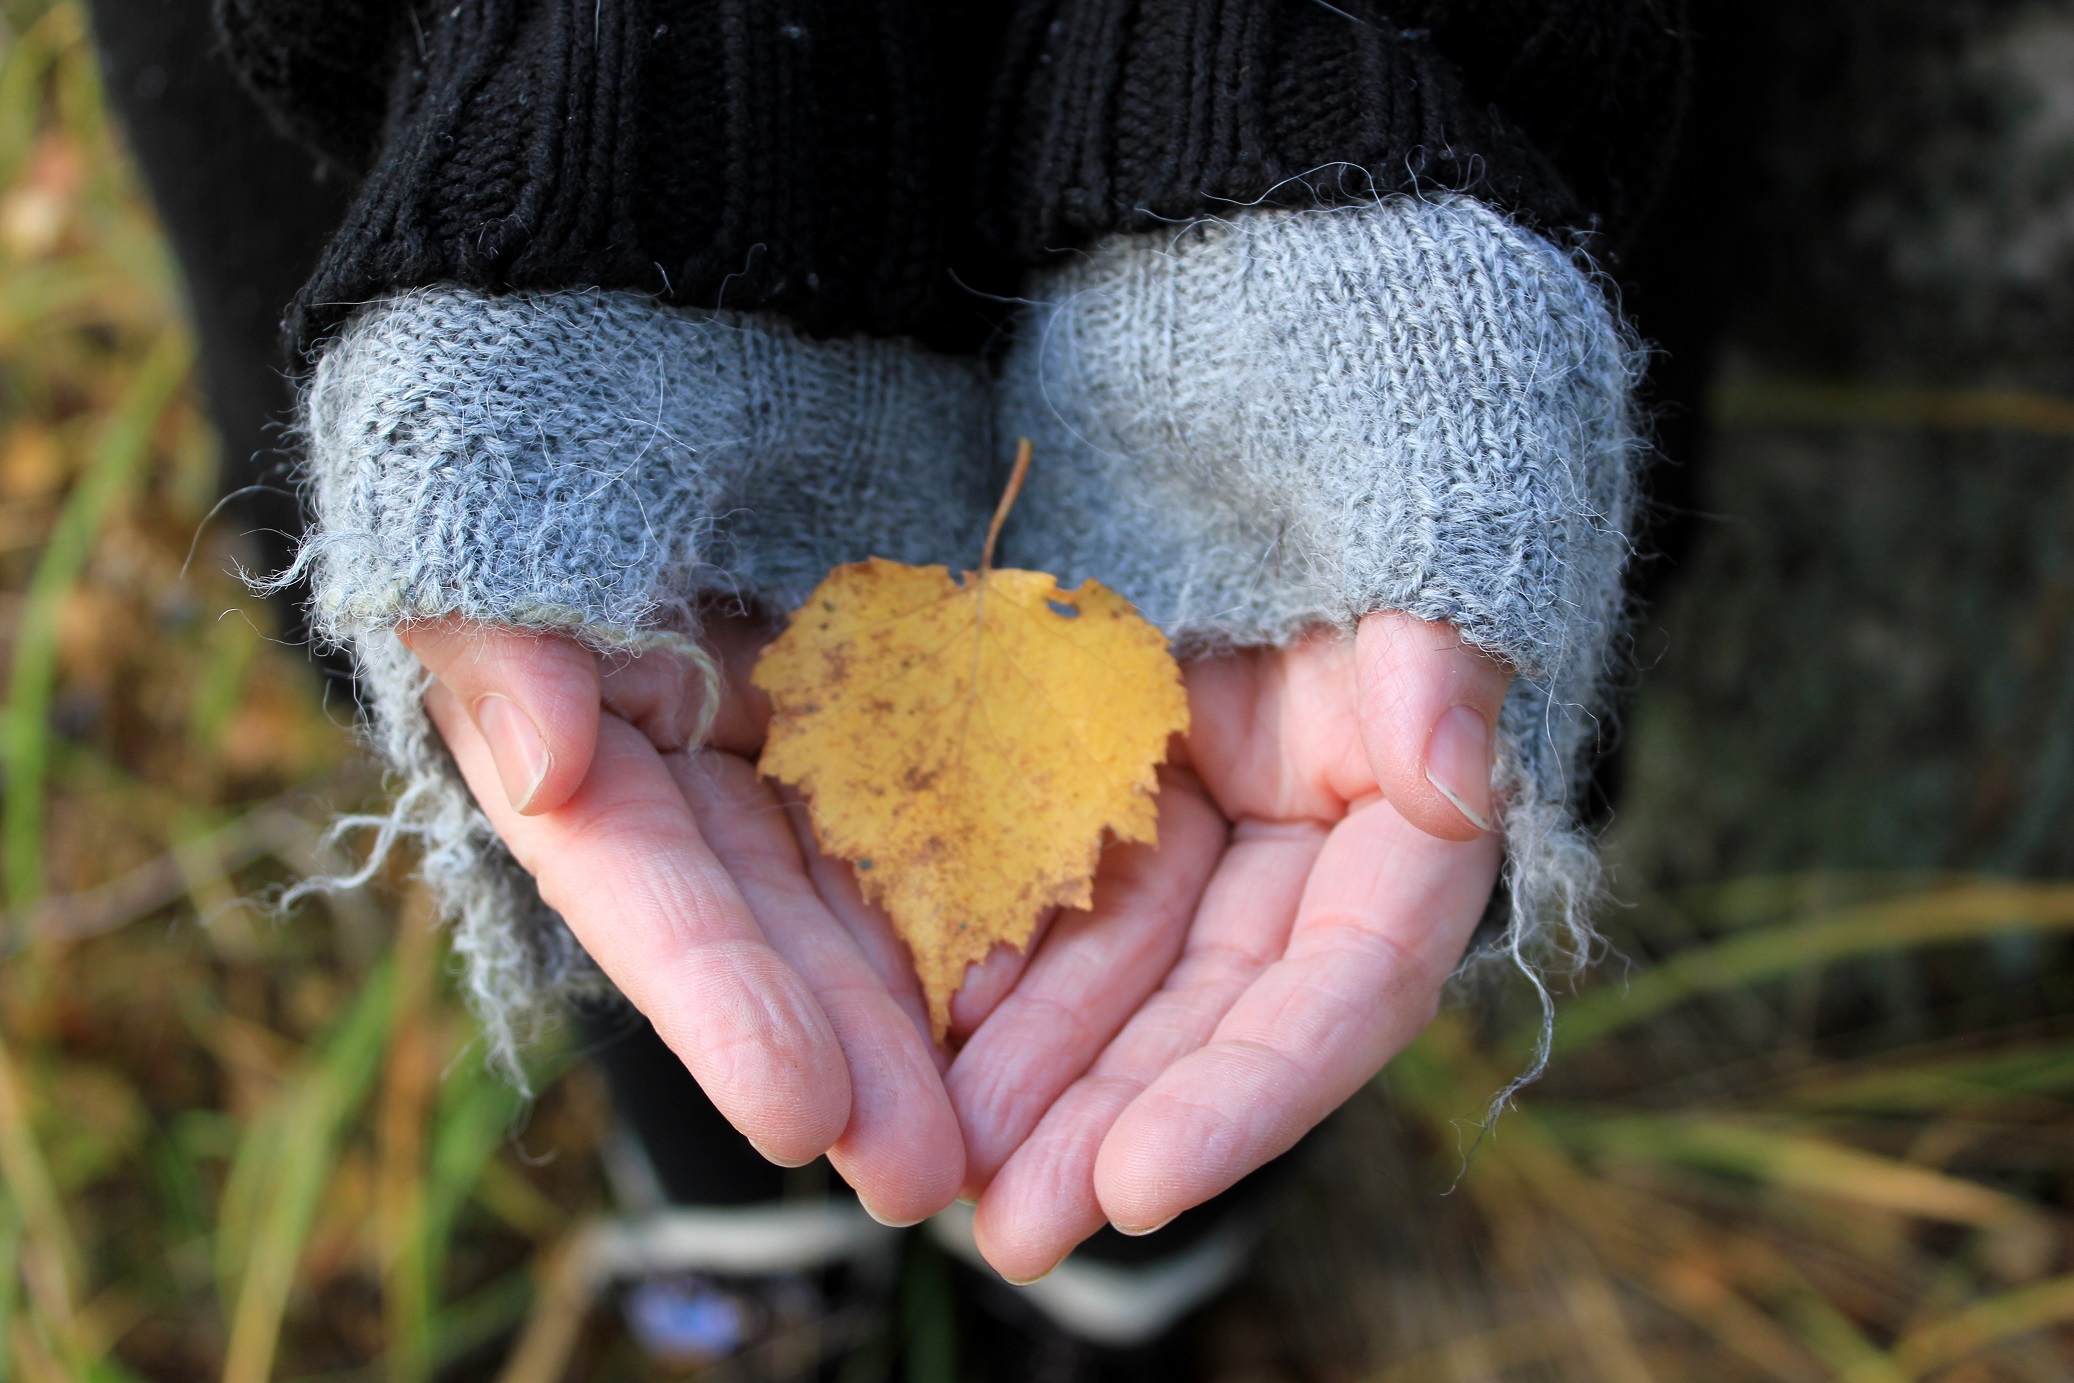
(593,463)
(1290,418)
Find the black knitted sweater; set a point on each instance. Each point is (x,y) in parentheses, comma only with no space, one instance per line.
(890,166)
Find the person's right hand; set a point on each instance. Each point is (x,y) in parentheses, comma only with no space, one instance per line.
(698,891)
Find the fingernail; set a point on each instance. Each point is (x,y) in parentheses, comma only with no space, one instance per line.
(890,1224)
(1034,1277)
(1458,762)
(789,1163)
(516,744)
(1149,1229)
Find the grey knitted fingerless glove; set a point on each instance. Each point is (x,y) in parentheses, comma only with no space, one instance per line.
(591,462)
(1291,418)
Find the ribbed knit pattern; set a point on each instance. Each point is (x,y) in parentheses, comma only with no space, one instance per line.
(592,462)
(859,165)
(1120,114)
(1286,419)
(752,155)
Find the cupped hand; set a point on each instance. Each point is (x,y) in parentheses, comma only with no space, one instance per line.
(696,889)
(1324,857)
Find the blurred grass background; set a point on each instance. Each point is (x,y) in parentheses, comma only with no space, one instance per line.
(1804,1125)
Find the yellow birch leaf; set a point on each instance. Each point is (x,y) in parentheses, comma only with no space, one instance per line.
(966,743)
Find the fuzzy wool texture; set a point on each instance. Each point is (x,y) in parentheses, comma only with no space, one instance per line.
(1256,425)
(1249,427)
(594,463)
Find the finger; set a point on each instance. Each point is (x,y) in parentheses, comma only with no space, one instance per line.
(624,865)
(1429,715)
(1095,969)
(986,983)
(663,694)
(902,1151)
(991,980)
(1276,733)
(532,697)
(1042,1201)
(835,881)
(1385,916)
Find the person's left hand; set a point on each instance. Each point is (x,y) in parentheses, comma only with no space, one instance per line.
(1313,887)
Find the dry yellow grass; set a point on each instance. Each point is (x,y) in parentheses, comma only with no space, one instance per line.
(244,1147)
(233,1145)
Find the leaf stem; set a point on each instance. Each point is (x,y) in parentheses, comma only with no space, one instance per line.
(1015,487)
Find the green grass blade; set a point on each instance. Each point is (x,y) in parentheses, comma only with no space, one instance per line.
(928,1322)
(1969,913)
(481,1316)
(22,78)
(1937,1084)
(1831,1335)
(476,1112)
(1793,1161)
(25,1172)
(24,734)
(254,1167)
(311,1117)
(1983,1324)
(10,1278)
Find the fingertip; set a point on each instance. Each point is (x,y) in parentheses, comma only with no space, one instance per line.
(900,1207)
(1135,1208)
(1175,1147)
(757,1041)
(1017,1270)
(902,1182)
(1029,1281)
(1430,703)
(889,1221)
(1019,1248)
(779,1159)
(1131,1200)
(902,1153)
(534,697)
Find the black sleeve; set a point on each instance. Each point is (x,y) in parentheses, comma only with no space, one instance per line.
(1599,86)
(862,165)
(1124,114)
(760,155)
(320,69)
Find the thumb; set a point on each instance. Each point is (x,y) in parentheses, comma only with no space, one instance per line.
(534,697)
(1429,707)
